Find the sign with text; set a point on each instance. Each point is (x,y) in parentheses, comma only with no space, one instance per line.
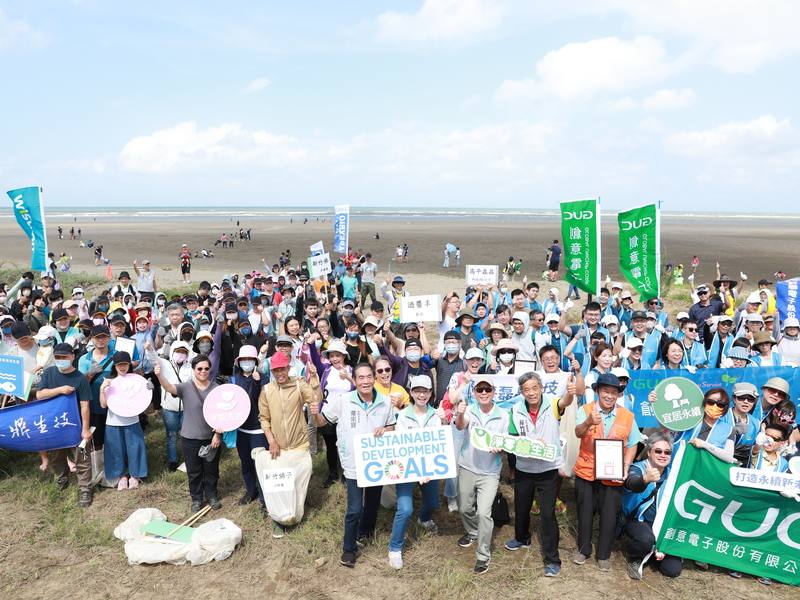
(12,376)
(41,425)
(277,480)
(319,264)
(679,404)
(402,456)
(341,228)
(702,517)
(518,445)
(580,229)
(482,274)
(639,248)
(417,309)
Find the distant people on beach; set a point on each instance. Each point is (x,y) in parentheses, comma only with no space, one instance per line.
(553,260)
(185,257)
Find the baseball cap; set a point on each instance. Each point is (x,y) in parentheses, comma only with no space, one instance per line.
(349,303)
(60,313)
(413,344)
(100,330)
(764,282)
(420,381)
(754,318)
(633,342)
(20,330)
(638,314)
(121,357)
(452,335)
(398,279)
(278,361)
(474,353)
(284,339)
(63,349)
(554,317)
(620,372)
(77,290)
(682,315)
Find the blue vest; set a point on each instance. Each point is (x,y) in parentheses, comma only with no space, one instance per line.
(639,502)
(716,353)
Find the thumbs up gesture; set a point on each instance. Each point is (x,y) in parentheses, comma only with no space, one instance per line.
(571,385)
(595,417)
(651,475)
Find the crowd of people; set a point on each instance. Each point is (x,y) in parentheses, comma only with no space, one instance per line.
(330,358)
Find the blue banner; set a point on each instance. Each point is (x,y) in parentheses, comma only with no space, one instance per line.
(341,228)
(642,382)
(29,212)
(786,298)
(12,376)
(41,425)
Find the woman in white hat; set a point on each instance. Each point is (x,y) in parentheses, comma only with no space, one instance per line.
(417,415)
(789,344)
(336,377)
(504,355)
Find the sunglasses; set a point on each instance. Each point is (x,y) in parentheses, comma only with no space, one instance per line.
(202,368)
(719,403)
(484,389)
(784,417)
(691,329)
(653,303)
(702,293)
(659,451)
(383,370)
(748,399)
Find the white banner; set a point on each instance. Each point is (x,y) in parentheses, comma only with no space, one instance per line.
(403,456)
(417,309)
(319,265)
(482,274)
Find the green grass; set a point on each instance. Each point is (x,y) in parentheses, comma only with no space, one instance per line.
(10,274)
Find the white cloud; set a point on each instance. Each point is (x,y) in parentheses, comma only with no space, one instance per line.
(761,136)
(736,36)
(669,99)
(585,69)
(623,104)
(16,33)
(440,21)
(184,146)
(256,85)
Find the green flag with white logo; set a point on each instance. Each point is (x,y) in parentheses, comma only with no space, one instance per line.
(711,512)
(639,248)
(580,228)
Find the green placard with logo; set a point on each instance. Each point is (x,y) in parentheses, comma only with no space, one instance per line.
(580,228)
(639,252)
(679,403)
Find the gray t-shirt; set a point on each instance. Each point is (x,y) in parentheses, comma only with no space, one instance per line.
(368,271)
(194,424)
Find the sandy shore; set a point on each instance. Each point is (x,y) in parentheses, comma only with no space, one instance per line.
(758,249)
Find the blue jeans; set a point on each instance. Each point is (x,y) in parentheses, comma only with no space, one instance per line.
(573,289)
(124,451)
(451,488)
(245,442)
(405,506)
(172,424)
(361,513)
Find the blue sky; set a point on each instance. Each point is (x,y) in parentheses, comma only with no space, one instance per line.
(469,103)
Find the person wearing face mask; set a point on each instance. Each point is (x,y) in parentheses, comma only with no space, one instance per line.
(65,333)
(144,337)
(407,366)
(504,355)
(357,351)
(640,500)
(249,435)
(337,378)
(176,370)
(418,415)
(172,331)
(448,364)
(63,378)
(789,343)
(97,365)
(35,317)
(522,337)
(45,340)
(602,419)
(714,433)
(209,345)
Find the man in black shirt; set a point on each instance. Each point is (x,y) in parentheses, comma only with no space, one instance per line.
(64,378)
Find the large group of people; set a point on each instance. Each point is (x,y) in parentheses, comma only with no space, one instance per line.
(329,357)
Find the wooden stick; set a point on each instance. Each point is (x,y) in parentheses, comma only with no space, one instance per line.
(188,522)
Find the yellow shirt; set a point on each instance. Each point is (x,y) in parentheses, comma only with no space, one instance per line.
(394,389)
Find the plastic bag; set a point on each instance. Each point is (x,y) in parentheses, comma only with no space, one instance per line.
(284,506)
(130,528)
(98,471)
(215,540)
(229,438)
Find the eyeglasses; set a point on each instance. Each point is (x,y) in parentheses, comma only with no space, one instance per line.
(383,370)
(659,451)
(748,399)
(691,329)
(703,293)
(202,369)
(484,389)
(720,403)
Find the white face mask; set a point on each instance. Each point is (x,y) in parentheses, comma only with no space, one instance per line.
(413,355)
(247,365)
(179,358)
(505,357)
(204,348)
(451,348)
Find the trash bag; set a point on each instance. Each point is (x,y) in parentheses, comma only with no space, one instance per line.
(285,501)
(215,540)
(131,528)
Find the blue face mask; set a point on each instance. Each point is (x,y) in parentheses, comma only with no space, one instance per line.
(45,343)
(6,330)
(245,331)
(62,364)
(242,314)
(352,335)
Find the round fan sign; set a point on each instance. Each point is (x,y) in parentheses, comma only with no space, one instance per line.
(128,395)
(679,403)
(226,407)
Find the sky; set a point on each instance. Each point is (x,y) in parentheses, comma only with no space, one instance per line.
(436,103)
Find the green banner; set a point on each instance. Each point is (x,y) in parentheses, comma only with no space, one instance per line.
(703,517)
(580,228)
(640,249)
(521,446)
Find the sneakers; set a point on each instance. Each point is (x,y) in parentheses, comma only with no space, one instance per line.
(481,567)
(633,570)
(197,505)
(514,544)
(578,557)
(278,530)
(133,483)
(604,564)
(735,574)
(396,560)
(561,508)
(429,526)
(466,540)
(703,566)
(215,503)
(246,499)
(452,505)
(552,570)
(764,580)
(122,484)
(348,559)
(85,498)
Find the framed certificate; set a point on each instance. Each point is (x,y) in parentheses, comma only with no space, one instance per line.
(608,459)
(123,344)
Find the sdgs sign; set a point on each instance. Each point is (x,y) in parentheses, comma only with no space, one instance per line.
(404,456)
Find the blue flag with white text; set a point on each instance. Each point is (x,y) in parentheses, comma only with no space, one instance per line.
(29,212)
(41,425)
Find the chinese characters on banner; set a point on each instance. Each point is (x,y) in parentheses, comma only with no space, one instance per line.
(786,298)
(416,309)
(580,229)
(319,265)
(41,425)
(701,516)
(640,248)
(506,387)
(482,274)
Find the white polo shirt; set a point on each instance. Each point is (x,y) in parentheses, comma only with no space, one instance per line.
(478,461)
